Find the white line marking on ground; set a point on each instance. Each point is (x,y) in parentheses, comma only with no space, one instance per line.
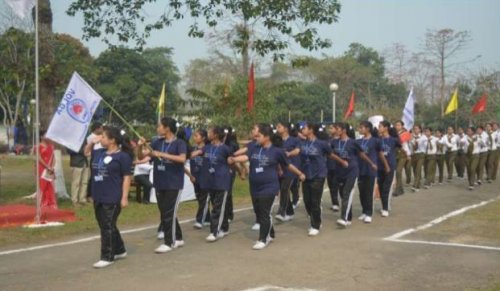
(276,288)
(95,237)
(397,237)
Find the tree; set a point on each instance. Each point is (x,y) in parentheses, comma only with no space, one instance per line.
(131,81)
(282,21)
(16,73)
(442,46)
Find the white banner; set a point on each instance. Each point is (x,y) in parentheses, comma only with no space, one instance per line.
(409,111)
(70,123)
(187,192)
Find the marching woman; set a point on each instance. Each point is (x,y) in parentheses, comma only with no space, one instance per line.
(441,144)
(313,154)
(291,145)
(418,156)
(265,159)
(198,176)
(215,155)
(232,142)
(472,151)
(430,158)
(387,164)
(330,179)
(372,147)
(243,151)
(169,154)
(348,150)
(110,183)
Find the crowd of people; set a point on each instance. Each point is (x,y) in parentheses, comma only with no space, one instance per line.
(277,161)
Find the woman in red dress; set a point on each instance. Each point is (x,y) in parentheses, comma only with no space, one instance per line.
(46,162)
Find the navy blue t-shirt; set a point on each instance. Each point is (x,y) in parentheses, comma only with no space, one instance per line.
(107,174)
(371,147)
(290,144)
(217,168)
(263,177)
(331,164)
(389,145)
(313,155)
(347,150)
(168,175)
(195,165)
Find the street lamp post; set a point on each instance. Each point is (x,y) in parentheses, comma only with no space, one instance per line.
(333,87)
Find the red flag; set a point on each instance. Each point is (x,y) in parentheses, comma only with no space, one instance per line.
(480,105)
(350,108)
(251,89)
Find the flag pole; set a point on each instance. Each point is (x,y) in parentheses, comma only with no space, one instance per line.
(121,118)
(37,120)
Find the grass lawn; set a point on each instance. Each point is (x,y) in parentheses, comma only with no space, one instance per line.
(18,180)
(480,226)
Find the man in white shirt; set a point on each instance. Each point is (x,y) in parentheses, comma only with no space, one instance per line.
(492,152)
(472,156)
(451,142)
(430,158)
(483,153)
(496,131)
(460,160)
(417,159)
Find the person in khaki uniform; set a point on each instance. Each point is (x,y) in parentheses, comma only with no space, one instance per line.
(440,154)
(496,131)
(417,159)
(483,153)
(451,147)
(403,157)
(430,158)
(461,151)
(79,176)
(492,152)
(471,145)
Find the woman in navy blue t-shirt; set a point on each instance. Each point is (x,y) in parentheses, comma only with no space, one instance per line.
(215,155)
(198,176)
(265,160)
(333,185)
(169,154)
(387,166)
(291,146)
(110,183)
(349,151)
(372,147)
(313,155)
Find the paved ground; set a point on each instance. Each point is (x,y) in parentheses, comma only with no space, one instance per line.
(353,259)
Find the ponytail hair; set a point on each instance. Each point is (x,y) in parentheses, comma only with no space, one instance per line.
(182,135)
(266,130)
(367,124)
(120,138)
(348,129)
(170,123)
(204,135)
(292,129)
(390,129)
(318,130)
(219,132)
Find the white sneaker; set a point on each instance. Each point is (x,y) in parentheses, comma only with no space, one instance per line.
(313,232)
(102,264)
(280,218)
(342,222)
(259,245)
(471,188)
(198,225)
(179,244)
(256,227)
(211,238)
(362,217)
(368,219)
(222,234)
(121,256)
(163,249)
(384,213)
(296,205)
(161,235)
(206,223)
(288,217)
(335,208)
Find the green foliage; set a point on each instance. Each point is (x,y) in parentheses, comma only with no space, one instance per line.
(131,82)
(281,21)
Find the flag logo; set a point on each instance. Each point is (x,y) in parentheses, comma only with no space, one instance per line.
(78,110)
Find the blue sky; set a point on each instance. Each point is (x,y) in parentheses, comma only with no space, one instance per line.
(374,23)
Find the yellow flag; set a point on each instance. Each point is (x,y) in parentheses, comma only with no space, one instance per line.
(453,105)
(161,103)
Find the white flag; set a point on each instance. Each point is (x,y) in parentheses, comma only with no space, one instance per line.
(21,7)
(409,111)
(73,115)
